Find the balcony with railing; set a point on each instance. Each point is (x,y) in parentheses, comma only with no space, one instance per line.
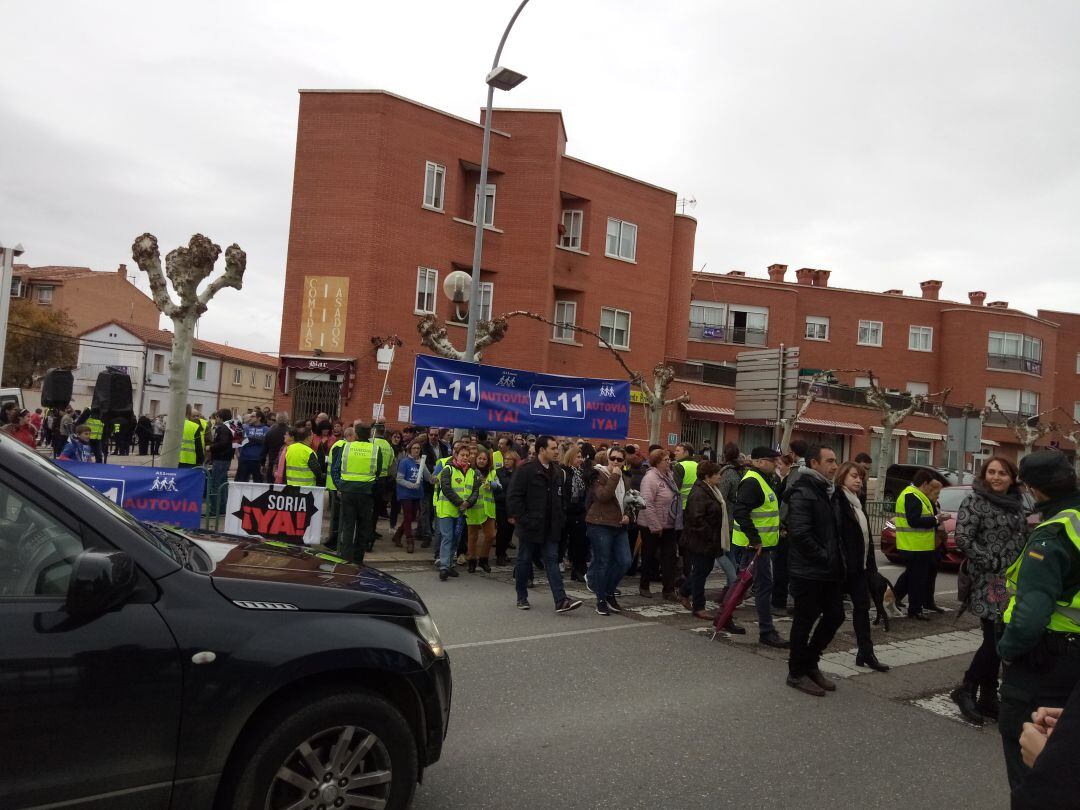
(846,395)
(738,335)
(705,373)
(1012,362)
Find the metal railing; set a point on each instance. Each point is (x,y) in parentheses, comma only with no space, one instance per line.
(707,373)
(737,335)
(1012,362)
(847,395)
(877,513)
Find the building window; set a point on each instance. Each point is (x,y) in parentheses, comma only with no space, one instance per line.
(615,327)
(1013,351)
(739,324)
(708,320)
(921,338)
(159,363)
(894,449)
(621,240)
(1029,403)
(489,205)
(571,235)
(918,388)
(434,186)
(862,382)
(155,406)
(200,370)
(817,327)
(253,379)
(236,375)
(870,333)
(16,291)
(920,452)
(268,382)
(487,293)
(427,282)
(44,295)
(1076,411)
(1078,363)
(565,313)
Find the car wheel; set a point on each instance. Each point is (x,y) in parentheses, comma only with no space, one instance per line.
(340,751)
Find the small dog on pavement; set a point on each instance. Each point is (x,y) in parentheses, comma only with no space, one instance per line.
(881,592)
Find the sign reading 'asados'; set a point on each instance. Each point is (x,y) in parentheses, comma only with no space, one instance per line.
(322,317)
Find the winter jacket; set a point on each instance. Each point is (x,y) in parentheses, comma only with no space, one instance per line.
(274,441)
(731,476)
(221,448)
(409,477)
(704,522)
(604,506)
(75,450)
(859,555)
(991,535)
(537,502)
(663,506)
(255,447)
(576,491)
(814,550)
(503,475)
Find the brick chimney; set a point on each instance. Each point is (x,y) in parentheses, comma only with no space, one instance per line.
(821,278)
(736,273)
(930,290)
(122,271)
(977,298)
(805,275)
(777,272)
(999,304)
(894,292)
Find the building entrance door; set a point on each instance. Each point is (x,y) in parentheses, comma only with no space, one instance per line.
(311,397)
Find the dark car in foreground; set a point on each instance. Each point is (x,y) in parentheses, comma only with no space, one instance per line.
(144,666)
(949,504)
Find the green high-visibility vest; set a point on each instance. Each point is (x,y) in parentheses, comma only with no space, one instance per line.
(497,460)
(187,443)
(689,476)
(436,496)
(358,462)
(297,471)
(766,518)
(484,508)
(909,538)
(386,457)
(97,427)
(462,484)
(330,485)
(1066,615)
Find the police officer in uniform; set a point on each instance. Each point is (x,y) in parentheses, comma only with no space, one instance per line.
(192,445)
(354,467)
(684,470)
(756,512)
(1040,646)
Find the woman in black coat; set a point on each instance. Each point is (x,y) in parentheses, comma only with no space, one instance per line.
(705,534)
(858,548)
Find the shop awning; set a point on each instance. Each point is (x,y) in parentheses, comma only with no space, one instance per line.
(933,437)
(828,426)
(714,413)
(878,429)
(710,413)
(991,443)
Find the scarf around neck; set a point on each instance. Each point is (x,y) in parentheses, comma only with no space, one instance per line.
(1009,501)
(860,518)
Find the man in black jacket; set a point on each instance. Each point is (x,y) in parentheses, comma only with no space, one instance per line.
(536,505)
(816,569)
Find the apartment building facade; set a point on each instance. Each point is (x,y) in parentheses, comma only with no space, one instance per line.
(87,296)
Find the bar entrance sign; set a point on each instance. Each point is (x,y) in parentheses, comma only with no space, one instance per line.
(453,393)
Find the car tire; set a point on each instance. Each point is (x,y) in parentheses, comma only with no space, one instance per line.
(296,737)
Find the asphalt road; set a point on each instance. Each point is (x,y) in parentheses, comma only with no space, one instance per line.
(624,711)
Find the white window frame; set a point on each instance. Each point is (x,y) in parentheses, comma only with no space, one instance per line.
(1032,400)
(252,379)
(1076,411)
(426,274)
(711,314)
(16,292)
(1008,399)
(820,330)
(44,294)
(920,338)
(200,369)
(861,382)
(625,237)
(237,375)
(155,406)
(869,327)
(565,312)
(434,186)
(487,300)
(268,382)
(615,313)
(489,213)
(918,388)
(1011,344)
(1078,362)
(572,221)
(159,363)
(917,448)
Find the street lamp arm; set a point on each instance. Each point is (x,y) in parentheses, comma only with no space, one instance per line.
(506,33)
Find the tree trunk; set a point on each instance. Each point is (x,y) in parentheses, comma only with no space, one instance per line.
(179,373)
(883,460)
(785,437)
(656,413)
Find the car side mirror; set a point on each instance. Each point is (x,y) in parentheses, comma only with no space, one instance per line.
(100,581)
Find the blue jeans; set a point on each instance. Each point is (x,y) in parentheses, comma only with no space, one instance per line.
(448,541)
(763,582)
(728,567)
(523,568)
(219,476)
(610,558)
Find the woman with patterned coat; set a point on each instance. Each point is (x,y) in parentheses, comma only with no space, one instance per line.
(991,529)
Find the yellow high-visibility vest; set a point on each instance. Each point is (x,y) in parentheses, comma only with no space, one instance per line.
(909,538)
(766,518)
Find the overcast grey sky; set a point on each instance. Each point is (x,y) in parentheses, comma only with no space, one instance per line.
(890,142)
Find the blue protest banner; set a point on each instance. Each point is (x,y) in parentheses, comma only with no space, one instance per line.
(453,393)
(158,494)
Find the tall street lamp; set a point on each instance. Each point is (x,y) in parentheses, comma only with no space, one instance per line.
(7,260)
(503,79)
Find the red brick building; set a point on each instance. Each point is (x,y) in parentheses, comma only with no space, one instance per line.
(383,200)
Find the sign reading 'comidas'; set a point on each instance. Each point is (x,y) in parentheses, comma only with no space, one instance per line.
(453,393)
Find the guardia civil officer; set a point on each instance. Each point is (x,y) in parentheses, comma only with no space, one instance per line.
(1041,643)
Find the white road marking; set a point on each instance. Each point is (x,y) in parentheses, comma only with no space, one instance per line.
(941,704)
(902,653)
(626,626)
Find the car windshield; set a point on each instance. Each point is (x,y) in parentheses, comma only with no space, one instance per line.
(951,498)
(80,493)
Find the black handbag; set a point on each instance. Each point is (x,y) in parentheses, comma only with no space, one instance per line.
(963,584)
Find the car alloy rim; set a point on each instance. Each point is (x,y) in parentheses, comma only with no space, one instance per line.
(340,767)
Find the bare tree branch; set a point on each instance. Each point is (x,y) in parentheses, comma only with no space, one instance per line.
(235,264)
(1028,430)
(145,253)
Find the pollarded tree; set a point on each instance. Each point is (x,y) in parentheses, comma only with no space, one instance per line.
(1027,429)
(433,334)
(186,268)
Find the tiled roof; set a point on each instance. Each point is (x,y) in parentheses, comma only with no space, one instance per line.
(163,338)
(50,272)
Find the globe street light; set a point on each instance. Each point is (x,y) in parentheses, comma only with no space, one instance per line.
(504,79)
